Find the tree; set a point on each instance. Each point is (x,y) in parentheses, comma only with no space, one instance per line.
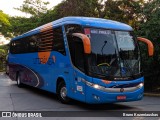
(149,28)
(33,7)
(151,20)
(40,15)
(4,23)
(127,11)
(90,8)
(4,19)
(3,54)
(21,25)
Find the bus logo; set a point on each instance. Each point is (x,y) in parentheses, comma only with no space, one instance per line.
(122,90)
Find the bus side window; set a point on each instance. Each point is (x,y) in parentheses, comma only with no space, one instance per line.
(33,43)
(16,47)
(12,47)
(76,52)
(24,45)
(58,42)
(73,28)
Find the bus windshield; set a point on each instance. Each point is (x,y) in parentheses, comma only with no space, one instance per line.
(114,54)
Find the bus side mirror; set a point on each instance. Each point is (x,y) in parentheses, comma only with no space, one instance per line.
(86,42)
(149,44)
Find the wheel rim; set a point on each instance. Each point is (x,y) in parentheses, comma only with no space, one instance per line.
(63,92)
(18,81)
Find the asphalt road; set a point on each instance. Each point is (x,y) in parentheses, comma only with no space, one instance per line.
(13,98)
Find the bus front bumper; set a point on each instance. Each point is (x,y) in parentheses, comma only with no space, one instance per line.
(97,96)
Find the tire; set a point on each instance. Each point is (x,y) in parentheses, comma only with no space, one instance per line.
(62,93)
(19,84)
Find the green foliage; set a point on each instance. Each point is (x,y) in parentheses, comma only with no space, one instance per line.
(4,23)
(90,8)
(151,13)
(21,25)
(34,7)
(150,29)
(127,11)
(4,19)
(3,54)
(4,49)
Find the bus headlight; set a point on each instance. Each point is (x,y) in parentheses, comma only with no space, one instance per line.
(141,85)
(96,86)
(99,87)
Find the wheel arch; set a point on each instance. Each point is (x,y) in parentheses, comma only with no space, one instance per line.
(17,73)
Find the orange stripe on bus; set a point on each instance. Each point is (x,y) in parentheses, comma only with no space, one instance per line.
(47,37)
(46,27)
(44,41)
(106,81)
(46,32)
(44,56)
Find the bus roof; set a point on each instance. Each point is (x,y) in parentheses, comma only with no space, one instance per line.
(85,21)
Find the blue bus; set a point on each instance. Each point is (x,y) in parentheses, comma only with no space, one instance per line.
(92,60)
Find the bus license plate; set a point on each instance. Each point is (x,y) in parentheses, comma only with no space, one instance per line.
(121,97)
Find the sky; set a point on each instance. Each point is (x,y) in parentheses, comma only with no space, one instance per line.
(7,6)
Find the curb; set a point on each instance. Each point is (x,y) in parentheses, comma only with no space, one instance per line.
(152,94)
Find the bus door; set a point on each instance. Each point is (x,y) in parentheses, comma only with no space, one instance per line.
(77,61)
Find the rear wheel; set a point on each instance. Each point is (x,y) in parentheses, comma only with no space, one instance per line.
(19,83)
(62,93)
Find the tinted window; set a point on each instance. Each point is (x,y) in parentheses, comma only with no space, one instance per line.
(76,52)
(58,42)
(25,45)
(48,40)
(14,46)
(73,28)
(33,43)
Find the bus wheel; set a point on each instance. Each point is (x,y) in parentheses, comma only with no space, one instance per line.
(19,84)
(62,93)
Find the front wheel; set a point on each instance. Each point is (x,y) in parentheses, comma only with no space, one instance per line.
(62,93)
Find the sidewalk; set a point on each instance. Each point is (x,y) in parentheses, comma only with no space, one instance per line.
(152,94)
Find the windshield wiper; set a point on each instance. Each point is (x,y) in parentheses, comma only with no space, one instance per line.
(105,42)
